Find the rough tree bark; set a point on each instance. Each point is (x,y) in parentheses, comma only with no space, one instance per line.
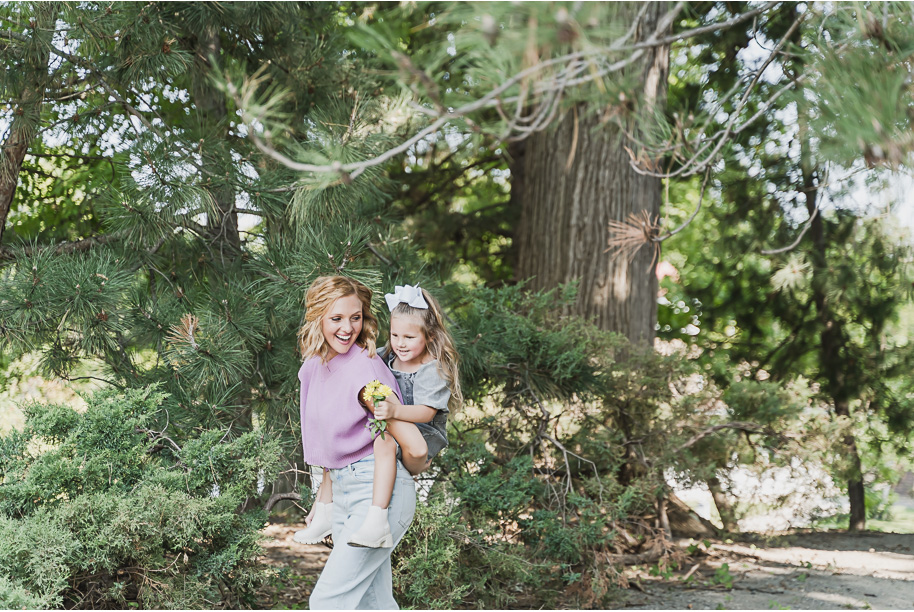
(569,183)
(21,132)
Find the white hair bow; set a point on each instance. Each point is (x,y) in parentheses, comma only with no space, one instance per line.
(406,294)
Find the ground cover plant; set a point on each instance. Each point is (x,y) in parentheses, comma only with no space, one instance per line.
(115,508)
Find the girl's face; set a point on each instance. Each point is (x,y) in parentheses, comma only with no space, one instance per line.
(407,338)
(342,325)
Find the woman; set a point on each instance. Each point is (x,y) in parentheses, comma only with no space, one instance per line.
(338,345)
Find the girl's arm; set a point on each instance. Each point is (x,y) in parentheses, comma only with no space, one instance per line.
(391,408)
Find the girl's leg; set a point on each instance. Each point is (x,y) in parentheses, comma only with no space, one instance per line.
(385,470)
(325,490)
(413,446)
(375,531)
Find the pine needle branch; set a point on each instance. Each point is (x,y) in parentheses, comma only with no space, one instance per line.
(627,237)
(93,70)
(696,163)
(184,333)
(545,113)
(8,253)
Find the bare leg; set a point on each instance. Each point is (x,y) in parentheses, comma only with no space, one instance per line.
(325,491)
(375,531)
(412,444)
(385,470)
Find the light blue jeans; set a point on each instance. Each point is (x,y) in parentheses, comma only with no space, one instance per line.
(360,578)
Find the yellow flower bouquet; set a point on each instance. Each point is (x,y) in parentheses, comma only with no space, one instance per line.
(374,392)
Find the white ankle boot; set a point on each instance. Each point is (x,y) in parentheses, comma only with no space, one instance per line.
(374,532)
(320,527)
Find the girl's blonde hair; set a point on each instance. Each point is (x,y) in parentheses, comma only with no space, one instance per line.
(439,343)
(322,294)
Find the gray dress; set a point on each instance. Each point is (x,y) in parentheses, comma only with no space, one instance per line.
(425,387)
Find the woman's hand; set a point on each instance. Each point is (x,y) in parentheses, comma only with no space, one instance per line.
(387,408)
(310,516)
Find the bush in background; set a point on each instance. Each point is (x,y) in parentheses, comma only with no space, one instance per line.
(557,469)
(114,508)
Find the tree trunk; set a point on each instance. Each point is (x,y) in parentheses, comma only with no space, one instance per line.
(832,342)
(27,112)
(11,156)
(569,183)
(724,508)
(855,491)
(218,167)
(222,223)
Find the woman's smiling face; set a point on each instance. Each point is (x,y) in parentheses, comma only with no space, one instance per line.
(342,325)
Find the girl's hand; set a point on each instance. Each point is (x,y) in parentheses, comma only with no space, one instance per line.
(310,516)
(387,408)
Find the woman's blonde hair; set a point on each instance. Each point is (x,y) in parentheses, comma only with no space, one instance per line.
(439,343)
(322,294)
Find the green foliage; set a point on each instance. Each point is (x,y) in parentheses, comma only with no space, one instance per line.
(723,576)
(817,315)
(60,202)
(457,554)
(429,571)
(568,434)
(518,341)
(456,209)
(879,45)
(662,570)
(484,549)
(16,597)
(539,487)
(117,157)
(103,509)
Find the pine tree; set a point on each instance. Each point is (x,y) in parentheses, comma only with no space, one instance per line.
(159,280)
(167,285)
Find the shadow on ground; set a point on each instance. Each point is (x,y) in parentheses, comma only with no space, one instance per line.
(800,570)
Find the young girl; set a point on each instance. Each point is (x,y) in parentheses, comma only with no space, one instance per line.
(421,355)
(338,345)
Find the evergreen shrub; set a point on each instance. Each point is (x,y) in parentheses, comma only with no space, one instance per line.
(558,464)
(115,508)
(527,499)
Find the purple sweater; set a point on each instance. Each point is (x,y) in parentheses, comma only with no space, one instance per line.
(332,420)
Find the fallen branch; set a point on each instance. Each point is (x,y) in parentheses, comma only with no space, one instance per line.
(278,497)
(657,550)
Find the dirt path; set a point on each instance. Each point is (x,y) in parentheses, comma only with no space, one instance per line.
(813,571)
(299,566)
